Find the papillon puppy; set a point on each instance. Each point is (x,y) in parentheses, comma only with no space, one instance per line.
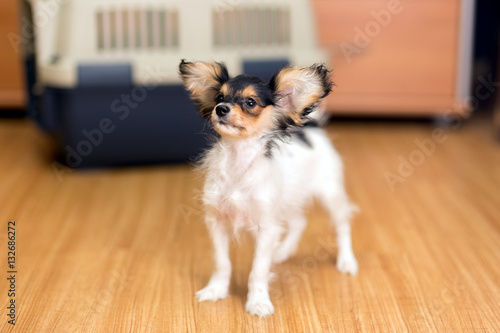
(269,161)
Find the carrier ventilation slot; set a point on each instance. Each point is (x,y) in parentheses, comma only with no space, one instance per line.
(251,27)
(137,29)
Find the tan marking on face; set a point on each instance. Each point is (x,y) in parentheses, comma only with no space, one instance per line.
(249,92)
(224,90)
(247,125)
(232,122)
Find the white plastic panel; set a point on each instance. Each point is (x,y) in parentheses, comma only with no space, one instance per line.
(154,35)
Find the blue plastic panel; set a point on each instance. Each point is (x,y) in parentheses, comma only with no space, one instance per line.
(126,125)
(264,69)
(91,75)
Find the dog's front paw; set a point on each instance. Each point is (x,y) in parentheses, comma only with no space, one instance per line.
(212,292)
(347,264)
(259,305)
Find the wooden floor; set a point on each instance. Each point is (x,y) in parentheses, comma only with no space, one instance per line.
(124,250)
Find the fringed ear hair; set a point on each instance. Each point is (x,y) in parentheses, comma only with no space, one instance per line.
(298,90)
(203,80)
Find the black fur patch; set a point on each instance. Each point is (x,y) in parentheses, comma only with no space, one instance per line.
(286,133)
(272,82)
(301,135)
(240,82)
(311,123)
(324,73)
(270,145)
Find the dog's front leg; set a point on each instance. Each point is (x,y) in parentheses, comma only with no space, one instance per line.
(266,240)
(218,285)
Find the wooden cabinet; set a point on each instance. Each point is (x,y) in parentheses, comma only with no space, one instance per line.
(394,57)
(12,91)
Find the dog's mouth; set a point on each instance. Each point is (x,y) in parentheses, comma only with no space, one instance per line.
(225,123)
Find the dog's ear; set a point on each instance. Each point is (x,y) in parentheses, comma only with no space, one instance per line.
(203,80)
(298,90)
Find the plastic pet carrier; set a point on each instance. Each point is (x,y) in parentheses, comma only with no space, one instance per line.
(103,74)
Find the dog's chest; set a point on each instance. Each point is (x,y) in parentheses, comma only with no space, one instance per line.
(237,185)
(236,188)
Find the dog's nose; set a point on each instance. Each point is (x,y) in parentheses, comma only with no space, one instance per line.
(222,110)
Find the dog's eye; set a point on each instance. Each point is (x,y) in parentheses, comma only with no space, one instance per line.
(219,98)
(250,103)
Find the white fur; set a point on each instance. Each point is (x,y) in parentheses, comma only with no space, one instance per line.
(245,190)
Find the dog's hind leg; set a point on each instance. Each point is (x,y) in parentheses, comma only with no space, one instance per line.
(340,209)
(296,224)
